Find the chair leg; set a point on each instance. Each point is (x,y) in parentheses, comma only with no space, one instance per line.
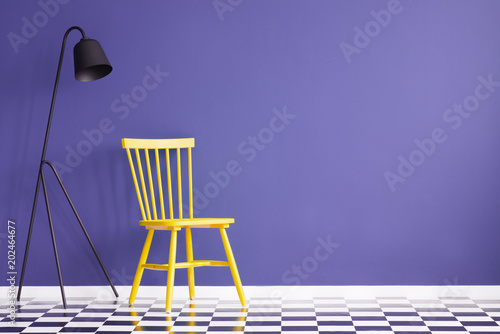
(171,271)
(189,256)
(232,265)
(140,269)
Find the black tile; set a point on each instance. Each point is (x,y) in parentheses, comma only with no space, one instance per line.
(159,329)
(12,329)
(439,319)
(436,318)
(79,330)
(243,318)
(335,323)
(158,318)
(373,328)
(299,328)
(479,323)
(48,324)
(446,329)
(192,323)
(120,323)
(333,314)
(262,323)
(368,318)
(298,309)
(88,319)
(226,328)
(401,314)
(298,318)
(407,323)
(469,314)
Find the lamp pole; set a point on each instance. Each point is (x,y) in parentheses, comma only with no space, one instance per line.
(85,70)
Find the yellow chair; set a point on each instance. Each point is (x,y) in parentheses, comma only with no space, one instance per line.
(149,183)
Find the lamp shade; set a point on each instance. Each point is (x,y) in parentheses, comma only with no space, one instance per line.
(91,62)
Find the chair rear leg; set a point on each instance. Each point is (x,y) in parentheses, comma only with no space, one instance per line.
(232,265)
(171,270)
(189,256)
(140,269)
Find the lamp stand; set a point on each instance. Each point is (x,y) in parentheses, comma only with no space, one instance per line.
(41,179)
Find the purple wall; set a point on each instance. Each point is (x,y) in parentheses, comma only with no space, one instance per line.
(366,134)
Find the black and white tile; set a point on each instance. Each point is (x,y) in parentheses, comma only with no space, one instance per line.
(261,315)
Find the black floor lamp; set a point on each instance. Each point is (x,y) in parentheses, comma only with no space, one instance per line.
(90,64)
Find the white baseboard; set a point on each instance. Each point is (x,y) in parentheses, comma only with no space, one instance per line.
(286,292)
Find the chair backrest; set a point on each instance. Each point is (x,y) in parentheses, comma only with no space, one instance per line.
(151,175)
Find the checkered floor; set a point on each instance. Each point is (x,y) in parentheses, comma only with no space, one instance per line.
(262,315)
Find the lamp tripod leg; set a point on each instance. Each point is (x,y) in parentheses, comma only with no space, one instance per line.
(30,230)
(82,226)
(53,239)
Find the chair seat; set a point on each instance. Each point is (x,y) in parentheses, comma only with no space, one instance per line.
(187,222)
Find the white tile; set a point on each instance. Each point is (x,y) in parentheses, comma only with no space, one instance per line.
(473,318)
(435,314)
(155,323)
(54,319)
(264,318)
(37,307)
(227,323)
(298,313)
(193,318)
(329,328)
(189,328)
(435,323)
(465,309)
(410,329)
(367,314)
(378,323)
(28,315)
(16,324)
(458,331)
(125,318)
(42,329)
(299,323)
(457,301)
(333,318)
(84,324)
(118,328)
(333,309)
(403,318)
(380,332)
(263,328)
(489,329)
(94,315)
